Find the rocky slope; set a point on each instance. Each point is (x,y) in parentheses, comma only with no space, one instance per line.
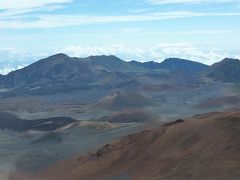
(203,147)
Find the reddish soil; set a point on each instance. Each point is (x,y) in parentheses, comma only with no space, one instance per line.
(202,147)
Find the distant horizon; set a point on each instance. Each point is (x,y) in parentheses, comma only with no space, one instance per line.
(119,58)
(200,30)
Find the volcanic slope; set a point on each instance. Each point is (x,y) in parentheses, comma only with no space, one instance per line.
(203,147)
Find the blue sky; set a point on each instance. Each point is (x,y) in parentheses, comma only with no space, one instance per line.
(200,30)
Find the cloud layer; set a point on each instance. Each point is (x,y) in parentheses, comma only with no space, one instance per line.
(54,21)
(31,14)
(201,53)
(161,2)
(29,4)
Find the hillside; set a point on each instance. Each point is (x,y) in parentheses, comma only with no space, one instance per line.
(202,147)
(122,100)
(60,69)
(129,116)
(228,70)
(149,65)
(174,65)
(112,64)
(182,65)
(53,70)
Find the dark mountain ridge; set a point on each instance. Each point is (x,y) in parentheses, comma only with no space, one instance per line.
(112,63)
(62,69)
(61,73)
(175,65)
(227,70)
(183,65)
(54,69)
(149,64)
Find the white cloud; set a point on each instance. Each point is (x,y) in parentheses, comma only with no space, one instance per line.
(140,10)
(6,69)
(206,32)
(29,4)
(197,32)
(12,59)
(16,10)
(9,68)
(201,53)
(188,51)
(53,21)
(15,15)
(13,55)
(161,2)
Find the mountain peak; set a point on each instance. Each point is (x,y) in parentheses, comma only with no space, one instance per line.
(176,60)
(227,61)
(112,63)
(106,57)
(230,60)
(54,59)
(227,70)
(183,65)
(59,56)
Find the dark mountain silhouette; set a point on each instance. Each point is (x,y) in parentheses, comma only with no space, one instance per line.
(174,65)
(149,65)
(61,73)
(228,70)
(182,65)
(53,70)
(112,64)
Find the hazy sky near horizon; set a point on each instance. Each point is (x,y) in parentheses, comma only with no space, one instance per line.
(143,30)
